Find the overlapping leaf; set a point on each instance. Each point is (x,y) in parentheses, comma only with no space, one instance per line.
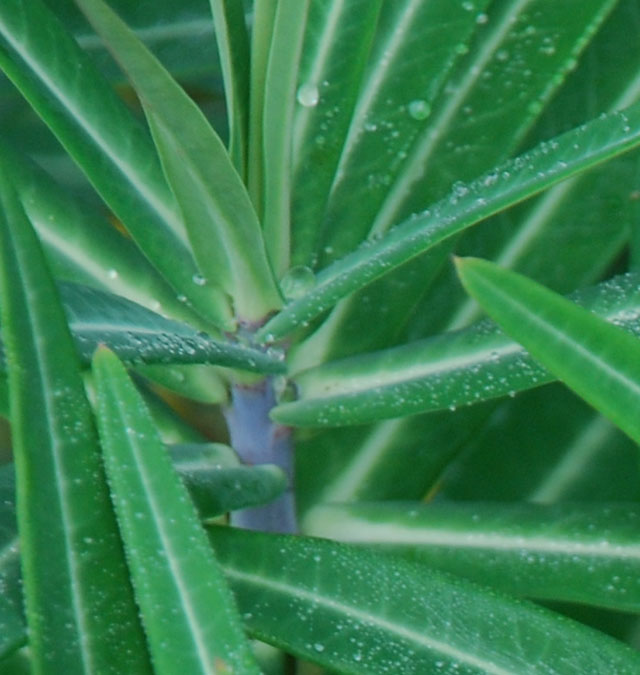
(356,612)
(575,552)
(441,372)
(106,141)
(599,361)
(528,174)
(187,611)
(220,220)
(79,604)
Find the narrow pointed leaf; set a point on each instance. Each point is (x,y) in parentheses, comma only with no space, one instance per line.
(233,49)
(79,604)
(356,612)
(139,335)
(221,223)
(188,612)
(600,362)
(528,174)
(82,246)
(280,97)
(106,141)
(445,371)
(572,552)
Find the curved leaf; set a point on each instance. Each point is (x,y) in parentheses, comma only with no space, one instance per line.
(79,604)
(599,361)
(220,220)
(444,371)
(532,172)
(356,612)
(188,613)
(586,553)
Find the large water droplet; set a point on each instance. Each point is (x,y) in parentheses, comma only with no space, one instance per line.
(419,109)
(297,281)
(308,95)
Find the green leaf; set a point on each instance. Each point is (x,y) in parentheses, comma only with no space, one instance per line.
(336,45)
(450,112)
(571,454)
(528,174)
(12,624)
(279,101)
(139,335)
(445,371)
(221,223)
(573,552)
(80,244)
(218,483)
(356,612)
(79,604)
(600,362)
(106,141)
(188,613)
(233,49)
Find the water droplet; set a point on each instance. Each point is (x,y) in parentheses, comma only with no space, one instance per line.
(297,281)
(308,95)
(112,274)
(482,18)
(419,109)
(198,280)
(318,647)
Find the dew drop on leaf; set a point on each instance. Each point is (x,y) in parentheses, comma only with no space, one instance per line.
(419,109)
(308,95)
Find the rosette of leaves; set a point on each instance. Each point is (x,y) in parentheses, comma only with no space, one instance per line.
(319,336)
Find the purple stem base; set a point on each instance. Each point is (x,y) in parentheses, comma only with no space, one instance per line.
(258,440)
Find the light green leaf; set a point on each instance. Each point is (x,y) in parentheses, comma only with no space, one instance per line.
(82,246)
(445,371)
(336,45)
(79,604)
(576,552)
(221,223)
(187,611)
(106,141)
(279,101)
(600,362)
(233,49)
(548,164)
(356,612)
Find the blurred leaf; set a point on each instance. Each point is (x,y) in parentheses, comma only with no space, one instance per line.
(233,49)
(545,446)
(575,552)
(188,613)
(600,362)
(107,142)
(279,101)
(528,174)
(82,246)
(12,623)
(220,220)
(218,483)
(336,46)
(356,612)
(79,604)
(444,371)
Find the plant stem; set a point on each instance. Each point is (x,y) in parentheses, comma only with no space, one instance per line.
(258,440)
